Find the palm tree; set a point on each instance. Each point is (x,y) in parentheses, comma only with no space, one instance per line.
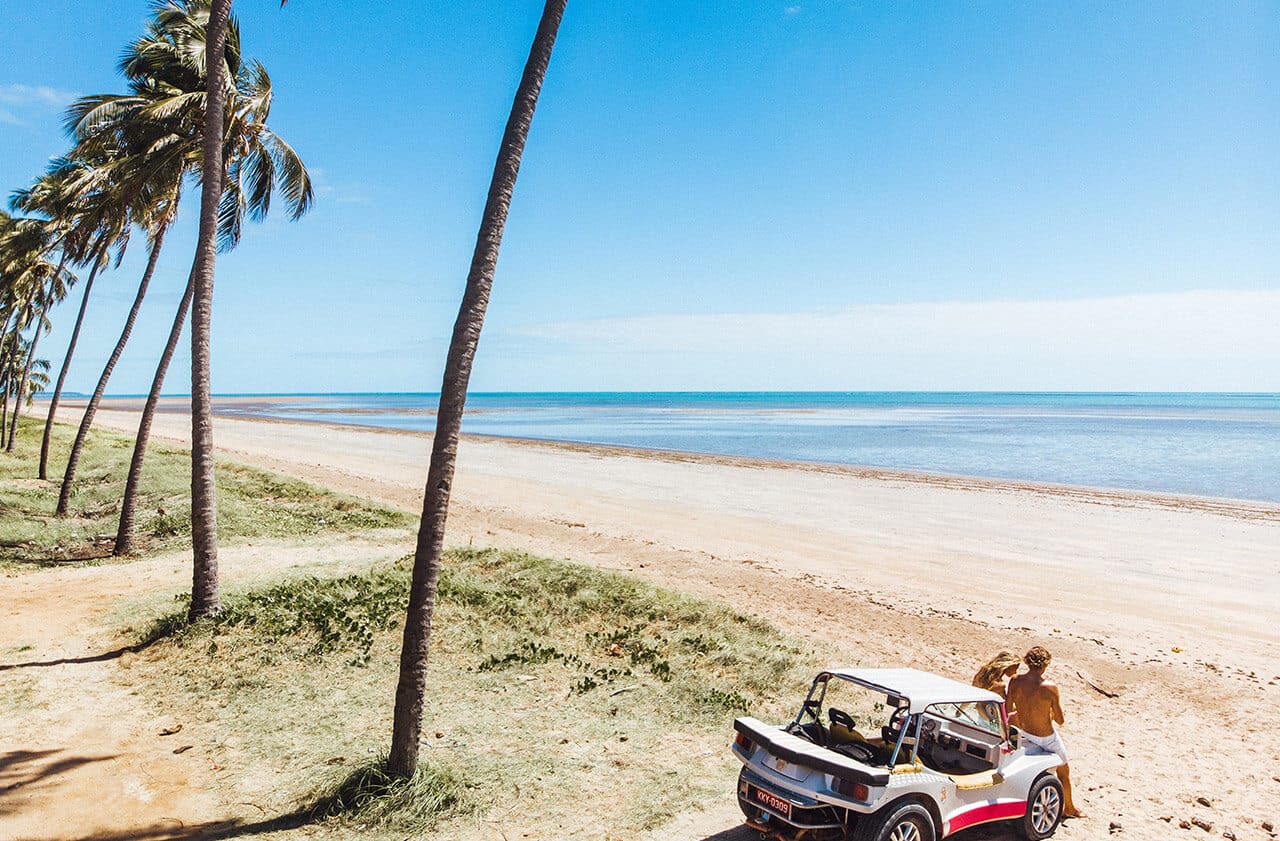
(204,538)
(137,137)
(157,219)
(69,196)
(157,128)
(205,599)
(37,379)
(53,288)
(32,286)
(260,163)
(407,726)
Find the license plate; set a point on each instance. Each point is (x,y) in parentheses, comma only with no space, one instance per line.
(771,801)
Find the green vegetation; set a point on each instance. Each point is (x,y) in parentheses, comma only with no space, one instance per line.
(252,503)
(370,797)
(554,687)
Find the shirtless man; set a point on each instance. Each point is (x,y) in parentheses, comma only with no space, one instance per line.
(1035,702)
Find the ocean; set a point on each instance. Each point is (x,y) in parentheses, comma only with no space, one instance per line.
(1217,445)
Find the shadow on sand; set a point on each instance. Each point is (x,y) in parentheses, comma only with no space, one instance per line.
(22,768)
(175,830)
(88,658)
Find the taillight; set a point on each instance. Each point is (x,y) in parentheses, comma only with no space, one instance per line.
(743,742)
(854,791)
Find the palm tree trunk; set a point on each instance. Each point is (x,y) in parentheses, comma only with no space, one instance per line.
(68,478)
(129,502)
(4,408)
(62,374)
(7,350)
(22,384)
(407,726)
(204,515)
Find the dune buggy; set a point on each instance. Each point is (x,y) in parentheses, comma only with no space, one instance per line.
(893,755)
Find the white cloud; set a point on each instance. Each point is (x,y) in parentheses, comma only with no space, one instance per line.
(34,95)
(17,98)
(330,193)
(1200,340)
(792,10)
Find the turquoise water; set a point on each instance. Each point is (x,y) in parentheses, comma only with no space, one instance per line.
(1221,445)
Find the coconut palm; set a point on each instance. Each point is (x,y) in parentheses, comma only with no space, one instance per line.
(204,537)
(205,596)
(65,196)
(155,216)
(157,127)
(407,726)
(136,141)
(259,163)
(37,379)
(33,284)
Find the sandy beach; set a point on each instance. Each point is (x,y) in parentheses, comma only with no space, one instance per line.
(1163,612)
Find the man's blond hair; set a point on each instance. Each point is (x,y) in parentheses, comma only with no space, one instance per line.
(1037,658)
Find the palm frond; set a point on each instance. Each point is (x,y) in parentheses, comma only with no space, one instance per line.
(296,181)
(230,210)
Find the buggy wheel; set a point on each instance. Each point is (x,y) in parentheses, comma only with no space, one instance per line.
(908,822)
(1044,808)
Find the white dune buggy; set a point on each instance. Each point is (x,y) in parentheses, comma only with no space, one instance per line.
(893,755)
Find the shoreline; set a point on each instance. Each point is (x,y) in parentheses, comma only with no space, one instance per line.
(1234,506)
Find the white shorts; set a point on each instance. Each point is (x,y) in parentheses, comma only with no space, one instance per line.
(1049,744)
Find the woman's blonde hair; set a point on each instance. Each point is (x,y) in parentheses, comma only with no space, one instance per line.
(993,670)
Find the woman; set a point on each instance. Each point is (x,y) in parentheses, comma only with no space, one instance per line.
(996,671)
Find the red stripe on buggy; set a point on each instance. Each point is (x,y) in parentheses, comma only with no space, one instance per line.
(986,812)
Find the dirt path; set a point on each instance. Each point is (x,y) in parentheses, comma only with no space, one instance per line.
(82,757)
(1168,603)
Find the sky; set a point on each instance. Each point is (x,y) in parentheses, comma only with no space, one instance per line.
(723,195)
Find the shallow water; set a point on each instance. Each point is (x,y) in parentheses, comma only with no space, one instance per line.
(1220,445)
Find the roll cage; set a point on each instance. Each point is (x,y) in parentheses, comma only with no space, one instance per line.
(939,710)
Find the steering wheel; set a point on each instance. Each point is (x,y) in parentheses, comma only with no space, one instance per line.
(897,720)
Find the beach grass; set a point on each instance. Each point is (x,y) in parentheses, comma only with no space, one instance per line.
(558,695)
(252,503)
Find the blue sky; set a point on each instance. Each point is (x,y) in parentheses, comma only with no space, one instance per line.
(727,195)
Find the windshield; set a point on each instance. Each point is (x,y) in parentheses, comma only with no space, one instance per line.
(985,715)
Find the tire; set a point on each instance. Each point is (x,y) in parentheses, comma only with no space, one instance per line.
(904,822)
(1044,809)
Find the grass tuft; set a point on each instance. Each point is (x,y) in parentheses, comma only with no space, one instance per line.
(370,797)
(306,617)
(252,503)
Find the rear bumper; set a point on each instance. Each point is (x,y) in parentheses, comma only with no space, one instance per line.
(801,812)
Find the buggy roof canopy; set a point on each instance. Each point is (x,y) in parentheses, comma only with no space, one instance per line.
(921,689)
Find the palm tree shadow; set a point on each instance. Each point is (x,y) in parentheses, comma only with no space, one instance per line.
(218,830)
(90,658)
(175,830)
(22,768)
